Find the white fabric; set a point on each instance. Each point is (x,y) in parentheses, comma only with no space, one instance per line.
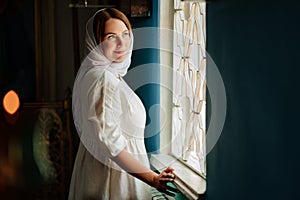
(109,117)
(95,55)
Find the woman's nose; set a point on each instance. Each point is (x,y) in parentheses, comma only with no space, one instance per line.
(120,41)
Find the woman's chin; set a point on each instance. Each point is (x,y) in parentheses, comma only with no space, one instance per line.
(120,59)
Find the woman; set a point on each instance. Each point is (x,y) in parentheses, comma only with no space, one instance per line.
(111,162)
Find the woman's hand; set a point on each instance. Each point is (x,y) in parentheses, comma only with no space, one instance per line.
(160,181)
(132,166)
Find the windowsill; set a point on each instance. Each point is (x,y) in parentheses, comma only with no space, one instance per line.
(190,183)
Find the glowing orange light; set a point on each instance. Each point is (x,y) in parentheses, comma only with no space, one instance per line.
(11,102)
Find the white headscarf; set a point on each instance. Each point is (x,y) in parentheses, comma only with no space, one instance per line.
(95,56)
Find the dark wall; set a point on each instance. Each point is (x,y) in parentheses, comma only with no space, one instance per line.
(17,70)
(256,48)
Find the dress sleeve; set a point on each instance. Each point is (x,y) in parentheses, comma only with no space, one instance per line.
(104,115)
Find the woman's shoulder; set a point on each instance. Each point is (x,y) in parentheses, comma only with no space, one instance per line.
(103,76)
(100,74)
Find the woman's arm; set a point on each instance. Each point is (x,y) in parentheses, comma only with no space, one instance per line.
(127,162)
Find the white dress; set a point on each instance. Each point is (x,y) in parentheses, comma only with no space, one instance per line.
(109,118)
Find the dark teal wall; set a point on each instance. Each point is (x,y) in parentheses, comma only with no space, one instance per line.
(256,48)
(149,93)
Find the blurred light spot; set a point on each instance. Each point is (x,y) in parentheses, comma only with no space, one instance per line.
(11,102)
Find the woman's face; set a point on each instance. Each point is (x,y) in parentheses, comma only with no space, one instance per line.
(116,41)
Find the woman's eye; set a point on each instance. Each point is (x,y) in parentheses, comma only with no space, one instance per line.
(126,34)
(111,37)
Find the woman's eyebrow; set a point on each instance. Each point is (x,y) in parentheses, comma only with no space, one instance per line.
(109,33)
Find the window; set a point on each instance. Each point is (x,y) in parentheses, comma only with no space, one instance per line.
(183,95)
(189,85)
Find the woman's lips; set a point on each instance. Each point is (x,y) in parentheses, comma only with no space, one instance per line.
(120,52)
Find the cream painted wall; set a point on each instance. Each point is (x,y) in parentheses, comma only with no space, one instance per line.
(166,62)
